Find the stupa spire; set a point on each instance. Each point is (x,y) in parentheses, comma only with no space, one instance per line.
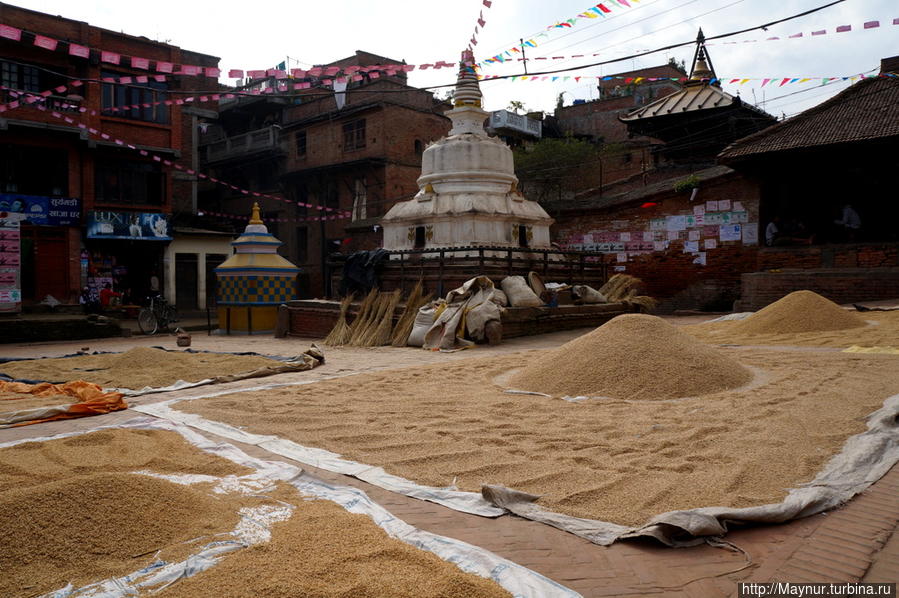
(468,91)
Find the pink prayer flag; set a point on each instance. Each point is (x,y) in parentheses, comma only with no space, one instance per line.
(896,21)
(765,82)
(190,69)
(108,79)
(332,70)
(796,35)
(235,74)
(820,32)
(358,77)
(141,78)
(10,33)
(474,42)
(349,70)
(315,71)
(140,63)
(408,68)
(488,3)
(298,73)
(59,89)
(47,43)
(159,78)
(110,57)
(481,22)
(144,153)
(76,83)
(124,80)
(164,67)
(374,75)
(256,74)
(212,71)
(868,25)
(80,51)
(844,28)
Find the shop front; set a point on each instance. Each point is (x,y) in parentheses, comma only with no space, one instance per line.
(127,251)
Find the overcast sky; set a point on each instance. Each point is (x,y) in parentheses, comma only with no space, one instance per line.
(261,33)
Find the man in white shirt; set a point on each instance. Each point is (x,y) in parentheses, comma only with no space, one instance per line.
(850,222)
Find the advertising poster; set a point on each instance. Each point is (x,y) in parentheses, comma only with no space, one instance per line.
(10,260)
(42,210)
(128,225)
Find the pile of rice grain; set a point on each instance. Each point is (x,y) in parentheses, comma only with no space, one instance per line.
(633,356)
(800,311)
(91,527)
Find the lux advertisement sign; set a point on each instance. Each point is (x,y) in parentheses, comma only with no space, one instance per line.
(138,226)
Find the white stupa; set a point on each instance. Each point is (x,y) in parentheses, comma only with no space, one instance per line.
(468,193)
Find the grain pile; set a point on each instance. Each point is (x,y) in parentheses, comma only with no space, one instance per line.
(325,552)
(90,527)
(800,311)
(135,368)
(18,401)
(610,460)
(76,514)
(633,356)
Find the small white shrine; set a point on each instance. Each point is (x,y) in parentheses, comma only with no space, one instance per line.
(468,192)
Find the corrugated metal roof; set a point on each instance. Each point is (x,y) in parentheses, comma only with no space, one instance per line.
(689,99)
(867,110)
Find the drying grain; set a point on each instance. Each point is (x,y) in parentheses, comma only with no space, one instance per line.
(633,356)
(135,368)
(90,527)
(107,451)
(19,401)
(610,460)
(800,311)
(325,552)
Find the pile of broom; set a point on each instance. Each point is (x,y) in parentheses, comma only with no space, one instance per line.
(373,325)
(622,288)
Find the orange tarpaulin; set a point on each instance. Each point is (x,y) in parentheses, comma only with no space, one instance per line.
(88,399)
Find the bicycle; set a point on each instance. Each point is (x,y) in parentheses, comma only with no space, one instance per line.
(157,315)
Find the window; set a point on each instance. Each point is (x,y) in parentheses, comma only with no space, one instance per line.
(20,76)
(522,236)
(301,144)
(139,102)
(302,244)
(359,200)
(354,135)
(33,170)
(124,182)
(419,237)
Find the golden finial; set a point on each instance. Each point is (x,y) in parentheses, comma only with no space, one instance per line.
(255,218)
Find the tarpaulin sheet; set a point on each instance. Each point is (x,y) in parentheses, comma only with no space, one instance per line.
(467,502)
(76,399)
(256,522)
(864,459)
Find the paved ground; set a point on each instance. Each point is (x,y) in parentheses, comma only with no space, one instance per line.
(856,542)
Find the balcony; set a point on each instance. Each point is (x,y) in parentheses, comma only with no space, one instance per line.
(70,103)
(503,119)
(260,140)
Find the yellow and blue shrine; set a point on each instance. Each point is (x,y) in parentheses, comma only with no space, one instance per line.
(254,281)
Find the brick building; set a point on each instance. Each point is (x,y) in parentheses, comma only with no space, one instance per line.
(70,91)
(358,157)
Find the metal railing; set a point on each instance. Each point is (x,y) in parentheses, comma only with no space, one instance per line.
(51,102)
(438,266)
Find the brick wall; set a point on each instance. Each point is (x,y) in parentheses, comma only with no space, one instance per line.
(842,285)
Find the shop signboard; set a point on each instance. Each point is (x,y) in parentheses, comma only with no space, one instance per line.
(42,210)
(135,226)
(10,238)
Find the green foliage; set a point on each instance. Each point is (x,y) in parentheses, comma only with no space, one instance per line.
(552,167)
(515,106)
(691,182)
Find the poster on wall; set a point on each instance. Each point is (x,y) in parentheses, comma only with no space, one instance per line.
(751,234)
(136,226)
(42,210)
(10,260)
(730,232)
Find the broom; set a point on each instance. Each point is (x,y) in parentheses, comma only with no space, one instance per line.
(407,319)
(365,324)
(364,310)
(380,334)
(340,334)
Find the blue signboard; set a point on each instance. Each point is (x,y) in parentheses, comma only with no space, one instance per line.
(136,226)
(43,210)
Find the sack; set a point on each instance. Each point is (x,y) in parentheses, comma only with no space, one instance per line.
(499,298)
(519,293)
(582,293)
(424,319)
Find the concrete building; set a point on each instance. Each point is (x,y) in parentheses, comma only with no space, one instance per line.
(99,210)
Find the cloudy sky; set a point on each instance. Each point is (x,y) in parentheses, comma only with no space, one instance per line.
(262,33)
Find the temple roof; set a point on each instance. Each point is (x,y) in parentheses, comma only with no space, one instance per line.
(866,111)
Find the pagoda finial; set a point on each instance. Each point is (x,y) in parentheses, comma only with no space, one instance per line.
(255,218)
(702,70)
(468,92)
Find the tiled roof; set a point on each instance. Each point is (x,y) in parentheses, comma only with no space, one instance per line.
(867,110)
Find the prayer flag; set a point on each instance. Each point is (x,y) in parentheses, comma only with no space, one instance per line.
(844,28)
(140,63)
(488,3)
(10,33)
(164,67)
(868,25)
(765,82)
(47,43)
(602,7)
(110,57)
(212,71)
(235,74)
(80,51)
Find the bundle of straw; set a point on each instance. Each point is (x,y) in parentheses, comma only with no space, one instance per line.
(340,334)
(371,319)
(381,329)
(623,288)
(407,319)
(363,315)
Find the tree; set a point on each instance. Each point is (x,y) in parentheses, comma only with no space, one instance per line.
(515,106)
(552,168)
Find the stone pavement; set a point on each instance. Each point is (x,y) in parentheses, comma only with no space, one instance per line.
(856,542)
